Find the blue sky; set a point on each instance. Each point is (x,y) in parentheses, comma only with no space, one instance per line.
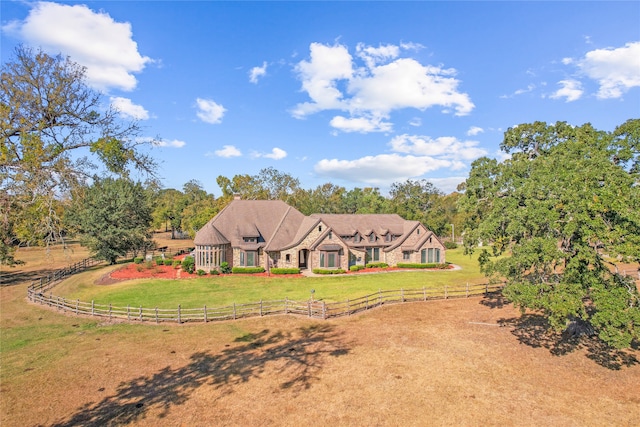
(358,94)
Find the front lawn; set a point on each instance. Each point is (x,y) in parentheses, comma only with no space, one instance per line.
(225,290)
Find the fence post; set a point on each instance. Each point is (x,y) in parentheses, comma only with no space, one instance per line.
(140,314)
(402,294)
(128,313)
(261,308)
(63,305)
(486,288)
(205,314)
(109,311)
(309,308)
(179,314)
(77,305)
(93,308)
(379,296)
(286,300)
(445,291)
(366,303)
(424,293)
(324,310)
(157,320)
(234,311)
(467,289)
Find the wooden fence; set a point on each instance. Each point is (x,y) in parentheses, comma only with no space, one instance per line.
(40,292)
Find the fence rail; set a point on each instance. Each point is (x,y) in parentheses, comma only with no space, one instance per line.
(40,292)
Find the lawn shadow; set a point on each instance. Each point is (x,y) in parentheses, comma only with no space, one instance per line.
(535,331)
(494,300)
(297,356)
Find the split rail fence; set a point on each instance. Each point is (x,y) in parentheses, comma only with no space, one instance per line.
(40,292)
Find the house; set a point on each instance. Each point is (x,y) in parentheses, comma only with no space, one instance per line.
(270,233)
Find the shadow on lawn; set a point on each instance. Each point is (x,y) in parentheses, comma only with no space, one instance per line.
(534,330)
(296,356)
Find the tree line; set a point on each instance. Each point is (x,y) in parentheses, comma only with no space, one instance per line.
(553,220)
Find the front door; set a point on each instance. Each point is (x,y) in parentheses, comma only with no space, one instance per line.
(303,256)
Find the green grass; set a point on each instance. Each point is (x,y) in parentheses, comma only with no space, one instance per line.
(220,291)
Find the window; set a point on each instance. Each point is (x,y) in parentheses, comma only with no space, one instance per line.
(248,259)
(388,237)
(429,256)
(329,259)
(330,236)
(287,257)
(406,256)
(372,237)
(319,229)
(249,239)
(373,254)
(356,238)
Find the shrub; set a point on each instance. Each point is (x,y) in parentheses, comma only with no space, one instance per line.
(201,272)
(140,267)
(429,265)
(450,245)
(285,270)
(168,261)
(214,272)
(176,263)
(188,264)
(138,260)
(225,268)
(247,270)
(324,271)
(377,265)
(148,264)
(159,261)
(356,267)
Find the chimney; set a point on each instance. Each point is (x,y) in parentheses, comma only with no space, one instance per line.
(237,196)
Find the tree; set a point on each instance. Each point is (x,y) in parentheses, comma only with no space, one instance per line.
(112,217)
(54,131)
(557,214)
(413,200)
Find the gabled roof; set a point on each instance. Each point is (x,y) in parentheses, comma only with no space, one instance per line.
(364,224)
(250,218)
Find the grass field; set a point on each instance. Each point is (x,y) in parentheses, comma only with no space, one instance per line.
(219,291)
(464,362)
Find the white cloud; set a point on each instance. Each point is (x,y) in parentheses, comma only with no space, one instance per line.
(227,151)
(446,147)
(105,47)
(257,72)
(174,143)
(474,130)
(382,169)
(128,109)
(449,184)
(210,111)
(415,122)
(571,90)
(360,124)
(275,154)
(386,82)
(616,70)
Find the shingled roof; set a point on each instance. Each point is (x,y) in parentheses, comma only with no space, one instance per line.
(251,218)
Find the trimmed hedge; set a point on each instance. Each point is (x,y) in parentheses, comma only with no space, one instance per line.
(429,265)
(168,261)
(285,270)
(201,272)
(356,268)
(247,270)
(323,271)
(138,260)
(377,265)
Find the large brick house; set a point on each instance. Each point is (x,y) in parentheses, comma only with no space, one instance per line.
(270,233)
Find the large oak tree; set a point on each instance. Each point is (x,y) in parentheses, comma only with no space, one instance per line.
(55,132)
(557,216)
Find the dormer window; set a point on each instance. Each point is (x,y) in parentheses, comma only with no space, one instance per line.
(330,236)
(319,229)
(356,238)
(250,239)
(372,237)
(388,237)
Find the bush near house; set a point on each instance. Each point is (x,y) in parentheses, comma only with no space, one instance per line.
(285,270)
(247,270)
(450,245)
(355,268)
(377,265)
(188,264)
(138,260)
(323,271)
(225,268)
(201,272)
(429,265)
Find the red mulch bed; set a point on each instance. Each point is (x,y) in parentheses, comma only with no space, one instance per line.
(140,271)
